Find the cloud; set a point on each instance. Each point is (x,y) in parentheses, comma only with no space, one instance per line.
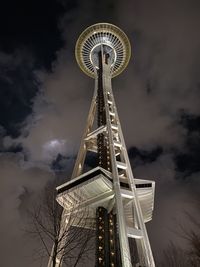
(164,67)
(172,199)
(59,112)
(170,32)
(159,82)
(18,180)
(18,87)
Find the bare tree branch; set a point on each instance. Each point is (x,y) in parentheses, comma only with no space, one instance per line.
(70,240)
(174,256)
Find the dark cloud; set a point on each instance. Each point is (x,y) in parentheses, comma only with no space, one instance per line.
(33,25)
(141,157)
(187,161)
(18,88)
(62,164)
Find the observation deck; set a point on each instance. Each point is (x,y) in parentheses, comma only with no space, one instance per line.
(107,37)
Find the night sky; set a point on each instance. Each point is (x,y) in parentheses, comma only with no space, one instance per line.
(44,100)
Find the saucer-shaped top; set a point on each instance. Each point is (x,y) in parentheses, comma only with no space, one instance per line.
(112,39)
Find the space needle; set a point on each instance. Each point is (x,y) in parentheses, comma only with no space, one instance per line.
(119,203)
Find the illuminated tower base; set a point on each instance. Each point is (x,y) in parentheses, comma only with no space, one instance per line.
(120,203)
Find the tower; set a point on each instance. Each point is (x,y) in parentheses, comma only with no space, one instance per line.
(120,204)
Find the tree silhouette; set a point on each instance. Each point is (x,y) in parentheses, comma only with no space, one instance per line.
(174,256)
(59,238)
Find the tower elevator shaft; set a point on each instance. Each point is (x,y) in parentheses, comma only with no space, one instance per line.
(107,247)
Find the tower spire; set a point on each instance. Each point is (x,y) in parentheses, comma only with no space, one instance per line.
(120,203)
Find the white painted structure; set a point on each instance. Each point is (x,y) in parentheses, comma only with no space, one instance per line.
(131,199)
